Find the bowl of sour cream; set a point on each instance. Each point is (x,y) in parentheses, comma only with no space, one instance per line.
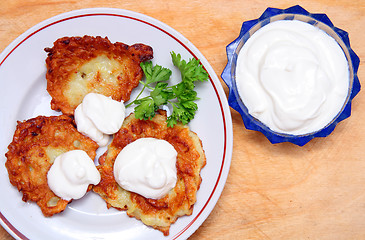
(291,75)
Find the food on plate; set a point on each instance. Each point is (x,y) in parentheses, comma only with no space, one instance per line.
(50,159)
(293,77)
(180,96)
(157,213)
(99,116)
(71,174)
(77,66)
(155,160)
(36,144)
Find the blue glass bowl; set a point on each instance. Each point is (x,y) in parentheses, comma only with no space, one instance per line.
(297,13)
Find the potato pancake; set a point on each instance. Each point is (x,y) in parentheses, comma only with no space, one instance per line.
(36,144)
(160,213)
(77,66)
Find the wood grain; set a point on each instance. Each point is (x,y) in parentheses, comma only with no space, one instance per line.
(273,191)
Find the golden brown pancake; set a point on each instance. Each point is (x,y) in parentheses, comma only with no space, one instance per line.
(77,66)
(36,144)
(161,213)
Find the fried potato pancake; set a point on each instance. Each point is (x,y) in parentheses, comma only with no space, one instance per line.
(77,66)
(161,213)
(36,144)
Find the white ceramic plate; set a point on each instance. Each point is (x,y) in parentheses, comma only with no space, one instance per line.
(23,95)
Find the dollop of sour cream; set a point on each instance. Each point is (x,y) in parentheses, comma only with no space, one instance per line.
(99,116)
(71,173)
(292,76)
(147,166)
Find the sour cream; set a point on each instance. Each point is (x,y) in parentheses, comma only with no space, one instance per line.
(99,116)
(292,76)
(147,166)
(71,174)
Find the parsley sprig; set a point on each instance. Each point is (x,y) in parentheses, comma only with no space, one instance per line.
(180,96)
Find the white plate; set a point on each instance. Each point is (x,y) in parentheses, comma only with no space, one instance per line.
(23,95)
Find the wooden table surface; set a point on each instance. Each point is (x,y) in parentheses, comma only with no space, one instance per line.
(277,191)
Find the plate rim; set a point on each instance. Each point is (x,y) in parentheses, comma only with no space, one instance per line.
(208,206)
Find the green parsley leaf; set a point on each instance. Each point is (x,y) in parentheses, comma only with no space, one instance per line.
(191,71)
(158,95)
(180,96)
(146,109)
(155,73)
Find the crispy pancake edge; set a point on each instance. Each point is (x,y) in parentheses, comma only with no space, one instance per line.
(35,145)
(159,214)
(69,54)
